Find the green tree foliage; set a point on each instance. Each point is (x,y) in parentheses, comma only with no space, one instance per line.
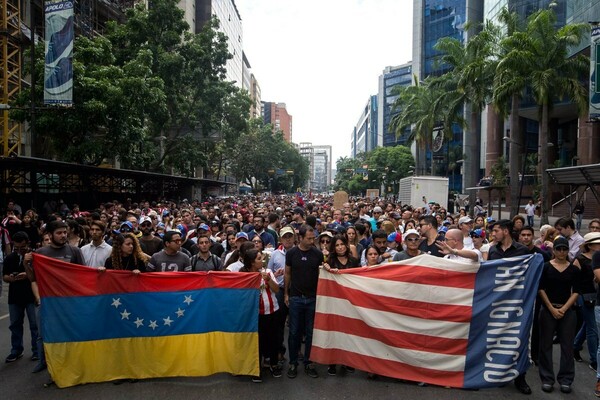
(423,107)
(383,166)
(259,153)
(147,82)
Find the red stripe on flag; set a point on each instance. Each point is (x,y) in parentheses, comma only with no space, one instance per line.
(440,312)
(57,278)
(392,369)
(401,272)
(404,340)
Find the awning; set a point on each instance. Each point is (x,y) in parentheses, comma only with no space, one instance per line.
(577,175)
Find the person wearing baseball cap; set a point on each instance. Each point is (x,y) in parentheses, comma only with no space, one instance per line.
(287,238)
(465,224)
(394,240)
(411,239)
(559,288)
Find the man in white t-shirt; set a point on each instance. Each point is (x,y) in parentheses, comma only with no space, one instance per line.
(530,210)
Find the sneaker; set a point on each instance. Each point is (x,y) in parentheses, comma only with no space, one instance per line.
(311,371)
(597,391)
(565,388)
(546,387)
(275,371)
(348,369)
(256,379)
(577,356)
(39,368)
(292,371)
(12,357)
(34,357)
(331,370)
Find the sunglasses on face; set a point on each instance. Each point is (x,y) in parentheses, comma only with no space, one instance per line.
(412,239)
(325,241)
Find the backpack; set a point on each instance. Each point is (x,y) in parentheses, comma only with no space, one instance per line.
(215,263)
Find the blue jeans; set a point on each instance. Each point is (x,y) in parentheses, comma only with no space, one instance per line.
(588,331)
(597,315)
(579,218)
(302,320)
(530,220)
(17,318)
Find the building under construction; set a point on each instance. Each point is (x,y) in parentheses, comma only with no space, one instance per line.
(30,179)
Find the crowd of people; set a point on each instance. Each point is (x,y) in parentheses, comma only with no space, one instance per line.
(287,240)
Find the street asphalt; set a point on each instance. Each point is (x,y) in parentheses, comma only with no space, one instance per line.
(19,383)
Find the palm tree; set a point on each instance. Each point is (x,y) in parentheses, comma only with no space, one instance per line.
(471,75)
(554,75)
(514,64)
(420,108)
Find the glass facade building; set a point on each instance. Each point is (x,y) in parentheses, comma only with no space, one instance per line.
(441,18)
(391,77)
(364,135)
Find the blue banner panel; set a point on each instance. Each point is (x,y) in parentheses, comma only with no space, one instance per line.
(58,71)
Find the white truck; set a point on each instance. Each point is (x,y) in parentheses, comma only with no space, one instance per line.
(414,190)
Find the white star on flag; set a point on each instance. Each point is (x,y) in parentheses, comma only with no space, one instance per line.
(179,312)
(168,321)
(125,314)
(153,325)
(188,300)
(116,303)
(139,322)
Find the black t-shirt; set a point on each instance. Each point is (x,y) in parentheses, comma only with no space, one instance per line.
(19,292)
(560,285)
(304,267)
(350,263)
(515,249)
(431,249)
(587,275)
(151,246)
(127,263)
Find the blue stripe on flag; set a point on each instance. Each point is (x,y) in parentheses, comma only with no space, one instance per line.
(147,314)
(505,292)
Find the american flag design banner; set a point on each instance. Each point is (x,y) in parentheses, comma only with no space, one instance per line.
(429,319)
(59,36)
(102,326)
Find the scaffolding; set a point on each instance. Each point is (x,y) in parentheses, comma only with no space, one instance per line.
(11,69)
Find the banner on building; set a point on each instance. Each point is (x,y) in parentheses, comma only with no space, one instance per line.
(430,320)
(103,326)
(58,71)
(595,73)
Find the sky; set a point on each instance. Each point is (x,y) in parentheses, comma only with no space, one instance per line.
(323,59)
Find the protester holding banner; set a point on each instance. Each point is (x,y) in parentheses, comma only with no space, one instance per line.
(504,247)
(127,254)
(301,277)
(267,322)
(559,288)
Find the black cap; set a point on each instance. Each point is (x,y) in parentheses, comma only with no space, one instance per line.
(561,242)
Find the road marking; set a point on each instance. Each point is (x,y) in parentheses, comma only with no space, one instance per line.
(3,317)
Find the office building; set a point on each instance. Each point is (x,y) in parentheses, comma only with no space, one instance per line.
(364,136)
(391,77)
(230,23)
(277,115)
(322,169)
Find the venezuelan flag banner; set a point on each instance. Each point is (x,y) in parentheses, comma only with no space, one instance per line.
(102,326)
(430,319)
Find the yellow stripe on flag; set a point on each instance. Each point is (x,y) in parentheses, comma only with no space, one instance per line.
(75,363)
